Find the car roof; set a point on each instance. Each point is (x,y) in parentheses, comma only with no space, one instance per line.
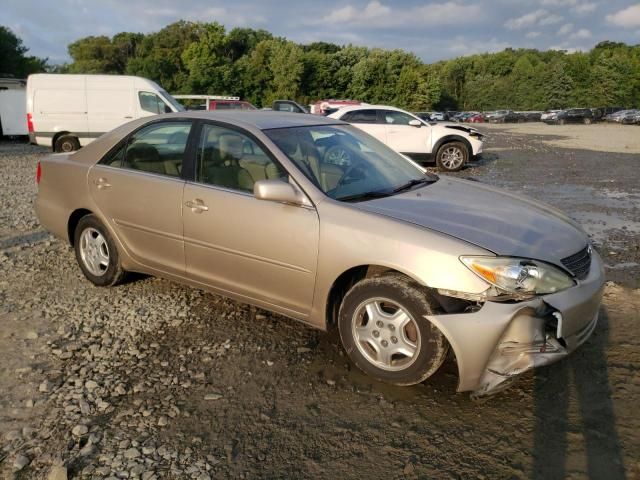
(354,108)
(260,119)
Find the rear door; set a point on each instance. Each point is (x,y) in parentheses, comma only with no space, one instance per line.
(367,120)
(234,242)
(138,189)
(401,136)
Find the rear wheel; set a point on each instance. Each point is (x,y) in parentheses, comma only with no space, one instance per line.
(66,144)
(452,156)
(96,252)
(587,121)
(385,333)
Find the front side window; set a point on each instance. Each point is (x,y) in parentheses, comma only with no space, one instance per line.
(346,163)
(150,102)
(229,159)
(392,117)
(158,149)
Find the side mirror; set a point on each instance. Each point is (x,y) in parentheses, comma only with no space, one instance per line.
(415,123)
(277,191)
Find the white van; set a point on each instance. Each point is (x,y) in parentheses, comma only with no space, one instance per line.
(66,112)
(12,107)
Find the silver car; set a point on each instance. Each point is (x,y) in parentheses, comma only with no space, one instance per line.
(258,206)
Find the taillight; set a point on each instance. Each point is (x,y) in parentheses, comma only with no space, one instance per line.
(38,173)
(29,123)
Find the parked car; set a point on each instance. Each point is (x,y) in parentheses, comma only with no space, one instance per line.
(67,112)
(426,116)
(327,107)
(406,265)
(572,115)
(288,106)
(549,115)
(451,146)
(217,102)
(530,116)
(629,118)
(476,118)
(617,117)
(437,116)
(503,116)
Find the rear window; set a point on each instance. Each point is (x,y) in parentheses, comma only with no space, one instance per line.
(361,116)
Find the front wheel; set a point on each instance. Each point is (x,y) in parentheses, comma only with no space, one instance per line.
(96,252)
(451,157)
(385,333)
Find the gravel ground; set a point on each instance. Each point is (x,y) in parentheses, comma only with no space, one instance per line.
(155,380)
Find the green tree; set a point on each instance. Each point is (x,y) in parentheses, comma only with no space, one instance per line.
(13,58)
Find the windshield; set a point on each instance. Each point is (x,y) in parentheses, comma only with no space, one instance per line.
(168,98)
(346,163)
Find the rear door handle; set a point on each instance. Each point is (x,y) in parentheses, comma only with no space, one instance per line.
(102,183)
(196,205)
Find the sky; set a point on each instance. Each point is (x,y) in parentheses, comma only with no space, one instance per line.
(432,29)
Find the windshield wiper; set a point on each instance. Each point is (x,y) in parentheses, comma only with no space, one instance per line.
(412,183)
(364,196)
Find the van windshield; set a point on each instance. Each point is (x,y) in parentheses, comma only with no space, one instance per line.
(174,103)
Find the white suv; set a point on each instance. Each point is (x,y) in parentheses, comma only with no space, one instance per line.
(450,144)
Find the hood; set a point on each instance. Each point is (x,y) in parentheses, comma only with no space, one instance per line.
(452,127)
(503,223)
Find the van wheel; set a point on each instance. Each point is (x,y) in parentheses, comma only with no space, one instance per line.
(452,156)
(66,144)
(385,333)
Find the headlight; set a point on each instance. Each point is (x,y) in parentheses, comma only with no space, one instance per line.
(519,275)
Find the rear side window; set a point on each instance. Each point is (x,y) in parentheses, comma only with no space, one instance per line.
(158,149)
(361,116)
(150,102)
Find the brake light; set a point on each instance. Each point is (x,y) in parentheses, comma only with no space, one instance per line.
(38,173)
(29,123)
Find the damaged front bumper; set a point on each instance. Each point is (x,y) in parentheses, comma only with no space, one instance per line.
(501,340)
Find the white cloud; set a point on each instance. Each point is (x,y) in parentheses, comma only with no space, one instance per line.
(533,34)
(585,8)
(565,29)
(540,17)
(377,14)
(627,18)
(581,34)
(462,46)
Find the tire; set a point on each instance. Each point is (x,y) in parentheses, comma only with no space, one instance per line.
(386,296)
(96,253)
(445,156)
(66,144)
(586,121)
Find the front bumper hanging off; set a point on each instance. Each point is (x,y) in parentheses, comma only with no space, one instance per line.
(503,340)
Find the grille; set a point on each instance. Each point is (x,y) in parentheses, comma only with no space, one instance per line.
(579,263)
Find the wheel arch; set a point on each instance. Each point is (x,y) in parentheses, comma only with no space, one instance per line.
(73,221)
(452,138)
(59,134)
(350,277)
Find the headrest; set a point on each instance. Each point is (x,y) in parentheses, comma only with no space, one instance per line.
(142,152)
(230,145)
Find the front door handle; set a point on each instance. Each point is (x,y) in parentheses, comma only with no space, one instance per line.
(196,205)
(102,183)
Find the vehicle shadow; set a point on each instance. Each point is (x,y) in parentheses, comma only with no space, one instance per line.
(586,370)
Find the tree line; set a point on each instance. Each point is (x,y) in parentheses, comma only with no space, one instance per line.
(205,58)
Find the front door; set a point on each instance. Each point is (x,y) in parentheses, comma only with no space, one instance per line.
(138,189)
(401,136)
(258,249)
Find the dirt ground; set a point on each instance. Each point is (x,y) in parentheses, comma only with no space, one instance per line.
(155,380)
(601,137)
